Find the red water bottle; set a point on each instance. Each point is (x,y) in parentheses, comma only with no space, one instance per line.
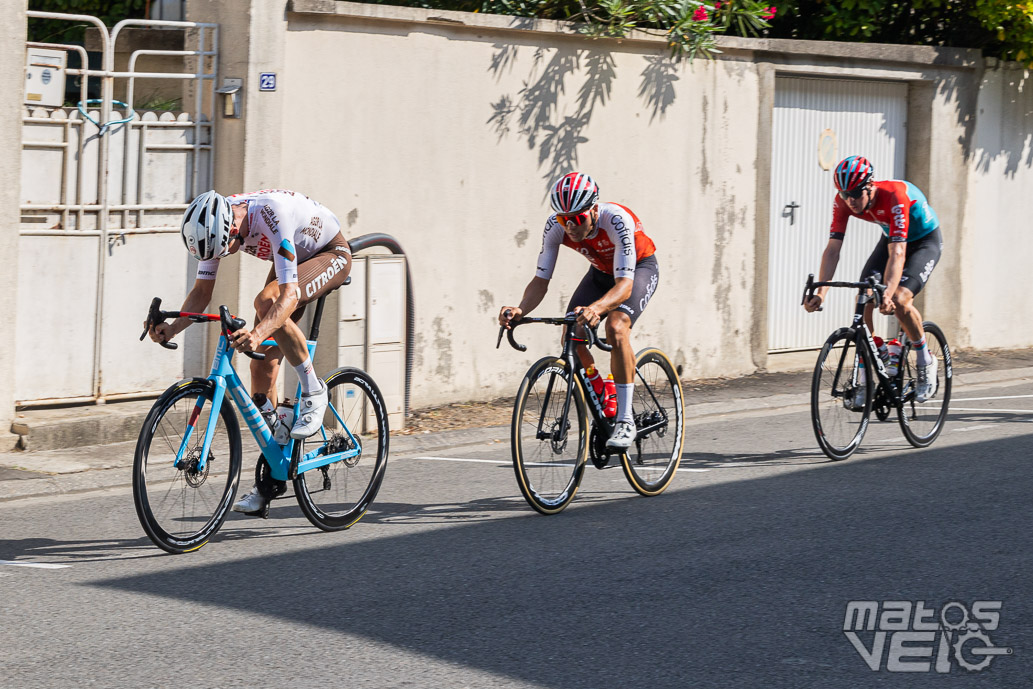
(610,403)
(598,386)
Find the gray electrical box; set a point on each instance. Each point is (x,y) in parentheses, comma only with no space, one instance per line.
(45,77)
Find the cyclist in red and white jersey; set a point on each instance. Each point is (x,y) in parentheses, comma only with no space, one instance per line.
(618,286)
(310,258)
(906,255)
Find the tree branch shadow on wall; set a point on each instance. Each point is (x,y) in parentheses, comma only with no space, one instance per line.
(535,113)
(1015,116)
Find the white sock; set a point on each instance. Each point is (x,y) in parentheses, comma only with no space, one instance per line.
(307,376)
(624,396)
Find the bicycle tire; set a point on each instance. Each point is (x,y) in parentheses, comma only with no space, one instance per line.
(838,427)
(549,485)
(166,496)
(652,461)
(335,496)
(921,429)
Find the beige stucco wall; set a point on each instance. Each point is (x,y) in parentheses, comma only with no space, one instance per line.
(12,82)
(997,304)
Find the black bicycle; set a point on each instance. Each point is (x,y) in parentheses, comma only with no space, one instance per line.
(843,396)
(551,438)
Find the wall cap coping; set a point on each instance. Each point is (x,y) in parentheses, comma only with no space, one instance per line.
(965,58)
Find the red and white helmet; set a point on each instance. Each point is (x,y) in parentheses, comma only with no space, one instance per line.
(573,193)
(206,226)
(852,173)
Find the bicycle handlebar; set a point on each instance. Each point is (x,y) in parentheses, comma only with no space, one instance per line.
(229,323)
(871,282)
(592,338)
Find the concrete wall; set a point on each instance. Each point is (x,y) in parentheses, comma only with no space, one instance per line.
(444,130)
(997,302)
(12,81)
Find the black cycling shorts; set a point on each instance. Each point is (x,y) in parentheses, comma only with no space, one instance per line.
(596,283)
(921,257)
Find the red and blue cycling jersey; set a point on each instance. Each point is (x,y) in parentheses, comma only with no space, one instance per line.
(899,208)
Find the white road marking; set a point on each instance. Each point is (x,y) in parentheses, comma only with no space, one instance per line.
(504,464)
(37,565)
(1001,397)
(973,428)
(989,411)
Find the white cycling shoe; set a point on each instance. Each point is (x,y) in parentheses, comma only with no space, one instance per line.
(622,437)
(310,412)
(251,503)
(927,382)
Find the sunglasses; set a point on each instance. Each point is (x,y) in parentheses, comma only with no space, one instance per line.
(577,218)
(855,194)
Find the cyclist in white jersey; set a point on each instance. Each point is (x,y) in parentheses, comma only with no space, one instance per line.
(310,258)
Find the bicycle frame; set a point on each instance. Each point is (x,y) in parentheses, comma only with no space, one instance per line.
(225,379)
(569,356)
(864,336)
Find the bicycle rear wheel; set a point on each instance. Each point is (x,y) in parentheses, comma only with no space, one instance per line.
(922,422)
(550,444)
(337,495)
(839,422)
(651,462)
(181,507)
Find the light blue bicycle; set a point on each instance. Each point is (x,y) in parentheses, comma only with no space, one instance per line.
(188,456)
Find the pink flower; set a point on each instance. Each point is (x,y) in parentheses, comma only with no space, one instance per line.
(700,15)
(717,5)
(769,13)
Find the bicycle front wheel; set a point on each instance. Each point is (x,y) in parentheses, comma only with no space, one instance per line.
(651,462)
(841,395)
(922,422)
(337,495)
(182,504)
(549,435)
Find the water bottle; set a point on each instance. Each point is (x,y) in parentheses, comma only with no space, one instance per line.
(610,399)
(883,350)
(893,364)
(598,386)
(284,422)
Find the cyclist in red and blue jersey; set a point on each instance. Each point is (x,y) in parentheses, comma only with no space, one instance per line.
(906,254)
(619,284)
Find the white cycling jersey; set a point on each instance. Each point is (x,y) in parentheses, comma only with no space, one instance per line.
(285,227)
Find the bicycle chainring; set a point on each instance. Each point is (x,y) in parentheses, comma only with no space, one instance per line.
(597,449)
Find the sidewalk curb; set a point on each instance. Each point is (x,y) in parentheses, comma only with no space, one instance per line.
(116,477)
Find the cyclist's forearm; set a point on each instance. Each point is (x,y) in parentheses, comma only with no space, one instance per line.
(195,302)
(279,312)
(895,267)
(533,295)
(616,296)
(827,271)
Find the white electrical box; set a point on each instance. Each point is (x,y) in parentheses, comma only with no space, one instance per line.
(45,77)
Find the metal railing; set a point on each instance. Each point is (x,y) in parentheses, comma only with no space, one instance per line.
(78,134)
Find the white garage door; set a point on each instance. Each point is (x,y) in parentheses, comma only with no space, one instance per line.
(816,122)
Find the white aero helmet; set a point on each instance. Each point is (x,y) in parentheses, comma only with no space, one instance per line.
(206,226)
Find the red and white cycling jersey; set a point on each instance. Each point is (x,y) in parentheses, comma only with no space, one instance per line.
(285,227)
(614,247)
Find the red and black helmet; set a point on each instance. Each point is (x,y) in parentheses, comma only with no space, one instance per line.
(853,173)
(573,193)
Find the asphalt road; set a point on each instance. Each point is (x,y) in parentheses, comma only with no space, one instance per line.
(738,576)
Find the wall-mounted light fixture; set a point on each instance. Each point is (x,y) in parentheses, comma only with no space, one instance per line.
(232,93)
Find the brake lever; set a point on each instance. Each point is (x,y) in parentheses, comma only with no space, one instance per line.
(154,317)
